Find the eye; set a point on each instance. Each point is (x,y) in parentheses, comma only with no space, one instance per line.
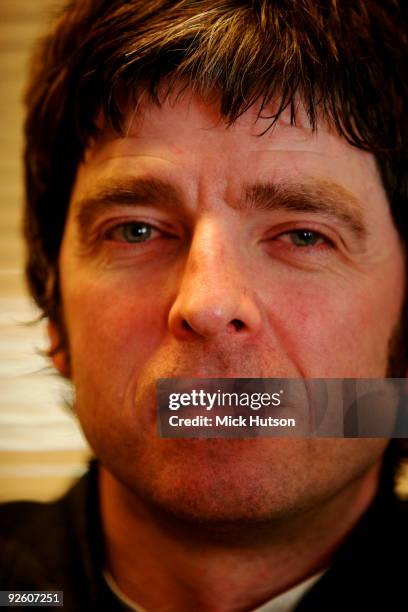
(304,238)
(132,232)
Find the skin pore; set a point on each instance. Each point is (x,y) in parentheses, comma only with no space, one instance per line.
(193,249)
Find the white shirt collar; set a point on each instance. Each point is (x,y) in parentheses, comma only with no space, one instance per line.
(285,602)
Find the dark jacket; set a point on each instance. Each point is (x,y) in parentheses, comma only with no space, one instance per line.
(59,546)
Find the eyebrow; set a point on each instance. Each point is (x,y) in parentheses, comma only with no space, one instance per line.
(316,196)
(129,191)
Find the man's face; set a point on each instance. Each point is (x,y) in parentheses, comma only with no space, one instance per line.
(196,250)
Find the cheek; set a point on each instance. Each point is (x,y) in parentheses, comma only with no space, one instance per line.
(337,330)
(113,329)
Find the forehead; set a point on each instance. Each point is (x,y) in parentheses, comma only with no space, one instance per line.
(188,121)
(185,140)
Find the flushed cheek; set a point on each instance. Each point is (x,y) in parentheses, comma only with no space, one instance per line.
(329,333)
(112,333)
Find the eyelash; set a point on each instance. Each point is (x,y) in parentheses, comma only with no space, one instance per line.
(110,234)
(121,227)
(323,242)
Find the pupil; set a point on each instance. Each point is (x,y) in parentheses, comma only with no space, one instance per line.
(304,238)
(136,232)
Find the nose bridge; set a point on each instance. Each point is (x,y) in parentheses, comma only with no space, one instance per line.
(211,261)
(212,292)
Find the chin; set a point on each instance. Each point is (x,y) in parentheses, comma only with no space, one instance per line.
(217,481)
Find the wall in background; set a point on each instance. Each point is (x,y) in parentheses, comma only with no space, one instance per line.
(41,448)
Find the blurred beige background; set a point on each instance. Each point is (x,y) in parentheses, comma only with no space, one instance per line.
(41,448)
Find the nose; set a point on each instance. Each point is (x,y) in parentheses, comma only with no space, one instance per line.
(214,296)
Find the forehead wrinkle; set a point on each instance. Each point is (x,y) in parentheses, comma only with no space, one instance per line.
(317,196)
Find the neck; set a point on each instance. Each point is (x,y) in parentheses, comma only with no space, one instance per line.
(225,567)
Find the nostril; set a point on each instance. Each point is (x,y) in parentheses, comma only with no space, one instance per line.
(186,326)
(237,324)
